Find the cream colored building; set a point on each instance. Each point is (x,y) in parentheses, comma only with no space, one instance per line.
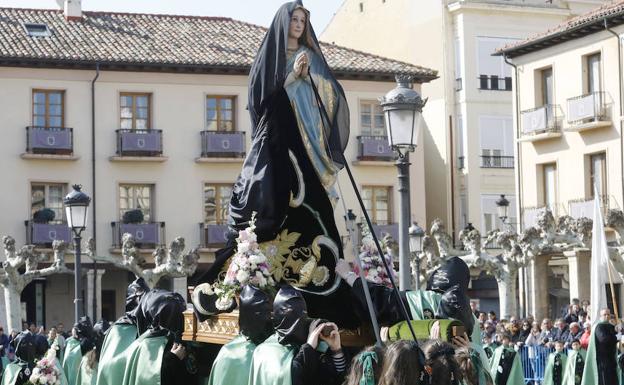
(569,130)
(469,144)
(162,100)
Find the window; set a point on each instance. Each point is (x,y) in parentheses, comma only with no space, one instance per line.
(37,30)
(372,119)
(550,186)
(496,140)
(593,73)
(48,108)
(135,111)
(377,203)
(220,113)
(547,93)
(48,195)
(494,73)
(598,174)
(216,202)
(136,196)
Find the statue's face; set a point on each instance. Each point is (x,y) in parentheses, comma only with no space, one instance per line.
(297,24)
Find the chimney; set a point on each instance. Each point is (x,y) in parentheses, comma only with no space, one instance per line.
(72,9)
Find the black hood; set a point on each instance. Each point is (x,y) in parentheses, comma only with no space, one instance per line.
(134,292)
(254,320)
(454,272)
(161,310)
(84,331)
(290,316)
(452,280)
(99,332)
(25,345)
(268,73)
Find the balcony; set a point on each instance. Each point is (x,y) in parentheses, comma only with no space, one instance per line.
(213,235)
(146,235)
(43,234)
(49,143)
(222,146)
(541,123)
(496,161)
(374,149)
(494,83)
(587,112)
(139,145)
(584,208)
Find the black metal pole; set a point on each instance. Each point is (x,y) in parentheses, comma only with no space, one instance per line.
(404,221)
(77,278)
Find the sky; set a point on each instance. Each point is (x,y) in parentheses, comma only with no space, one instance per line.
(254,11)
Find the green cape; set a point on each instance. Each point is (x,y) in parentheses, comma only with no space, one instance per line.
(590,372)
(233,363)
(86,376)
(420,300)
(271,363)
(144,360)
(112,358)
(71,360)
(516,376)
(550,366)
(569,376)
(10,373)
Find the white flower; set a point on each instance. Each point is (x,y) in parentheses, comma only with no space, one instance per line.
(242,276)
(256,259)
(223,303)
(243,247)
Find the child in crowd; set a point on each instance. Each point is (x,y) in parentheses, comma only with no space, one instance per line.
(555,365)
(441,359)
(576,363)
(403,364)
(366,367)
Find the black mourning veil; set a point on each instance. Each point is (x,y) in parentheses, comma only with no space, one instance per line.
(268,73)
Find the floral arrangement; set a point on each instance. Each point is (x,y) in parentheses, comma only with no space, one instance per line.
(47,370)
(372,265)
(248,266)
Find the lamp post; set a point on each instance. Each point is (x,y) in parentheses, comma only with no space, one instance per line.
(76,208)
(402,108)
(416,235)
(502,206)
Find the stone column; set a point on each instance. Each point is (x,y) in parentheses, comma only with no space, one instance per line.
(579,265)
(94,310)
(538,303)
(180,286)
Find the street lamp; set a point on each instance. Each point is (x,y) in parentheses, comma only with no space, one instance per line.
(76,208)
(502,205)
(416,235)
(402,108)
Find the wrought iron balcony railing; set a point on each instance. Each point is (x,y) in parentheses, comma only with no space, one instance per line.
(374,148)
(541,120)
(497,161)
(146,235)
(587,108)
(222,144)
(49,140)
(139,142)
(494,83)
(213,235)
(43,234)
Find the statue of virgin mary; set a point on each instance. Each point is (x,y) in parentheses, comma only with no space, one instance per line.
(300,128)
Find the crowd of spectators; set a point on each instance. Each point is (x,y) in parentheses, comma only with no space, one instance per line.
(44,338)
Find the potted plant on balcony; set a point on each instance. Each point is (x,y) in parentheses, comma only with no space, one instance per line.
(45,215)
(133,217)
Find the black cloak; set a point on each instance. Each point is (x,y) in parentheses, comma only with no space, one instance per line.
(161,310)
(134,293)
(606,353)
(278,167)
